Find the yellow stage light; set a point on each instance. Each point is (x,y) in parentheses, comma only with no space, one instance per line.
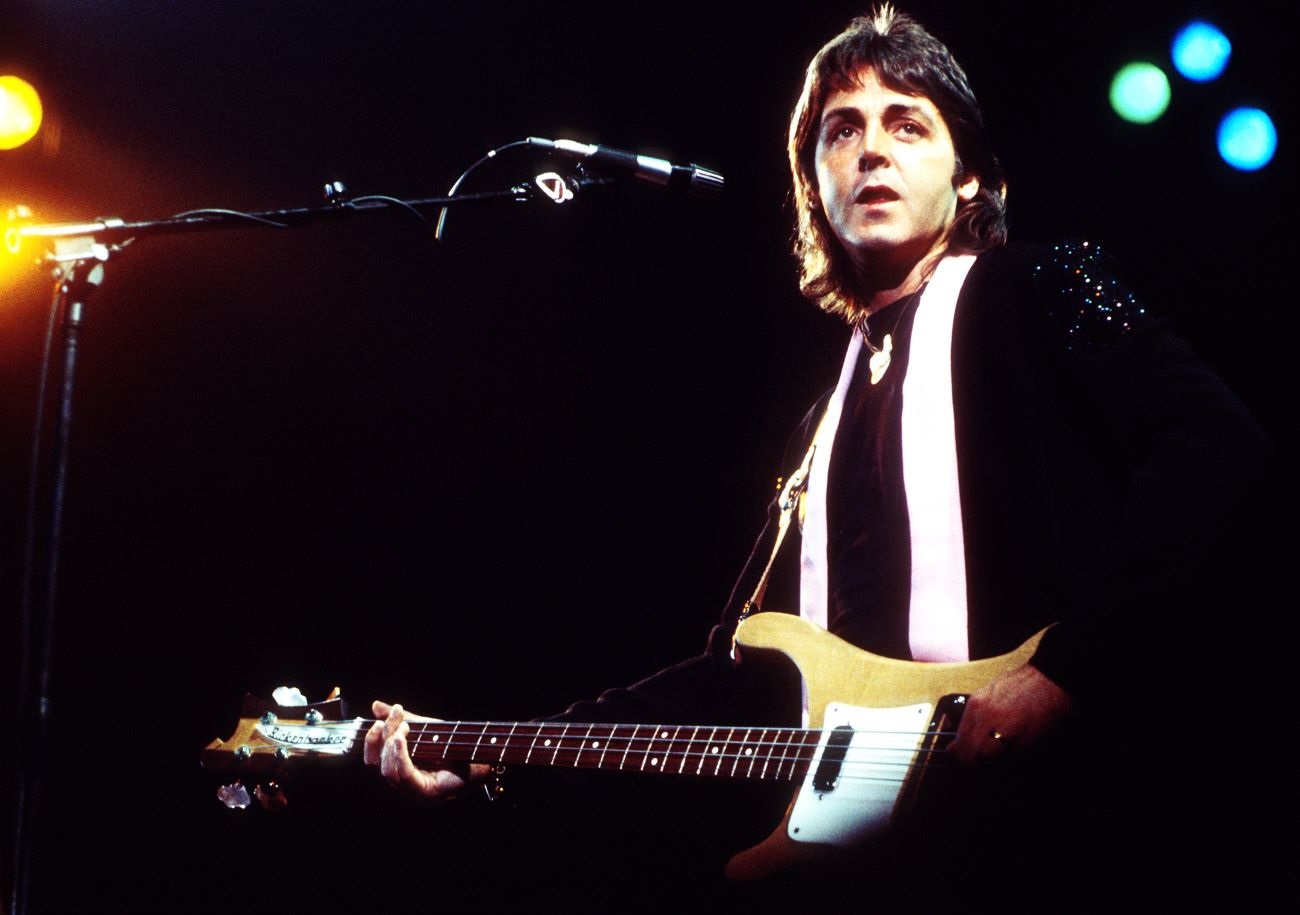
(20,112)
(15,262)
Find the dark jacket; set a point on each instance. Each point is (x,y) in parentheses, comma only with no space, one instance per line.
(1110,485)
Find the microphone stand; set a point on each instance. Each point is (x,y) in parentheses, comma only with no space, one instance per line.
(80,252)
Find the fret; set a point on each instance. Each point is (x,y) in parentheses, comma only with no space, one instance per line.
(550,738)
(622,763)
(710,750)
(795,747)
(658,749)
(474,753)
(427,739)
(532,745)
(603,747)
(776,756)
(752,752)
(672,746)
(558,742)
(742,751)
(451,736)
(797,742)
(785,752)
(722,754)
(808,741)
(613,739)
(593,747)
(492,734)
(582,744)
(717,751)
(767,755)
(505,744)
(686,752)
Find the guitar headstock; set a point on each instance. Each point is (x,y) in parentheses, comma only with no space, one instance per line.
(272,737)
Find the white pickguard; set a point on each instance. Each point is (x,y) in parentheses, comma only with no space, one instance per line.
(877,760)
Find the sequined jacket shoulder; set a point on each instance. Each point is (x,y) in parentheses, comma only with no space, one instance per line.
(1085,298)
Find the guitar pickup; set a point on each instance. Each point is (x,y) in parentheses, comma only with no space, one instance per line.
(859,768)
(827,773)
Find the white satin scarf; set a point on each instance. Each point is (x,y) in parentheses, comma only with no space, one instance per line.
(937,627)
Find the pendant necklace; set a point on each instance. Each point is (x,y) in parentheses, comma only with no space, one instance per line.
(882,355)
(879,361)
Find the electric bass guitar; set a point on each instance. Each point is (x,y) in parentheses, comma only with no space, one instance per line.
(878,728)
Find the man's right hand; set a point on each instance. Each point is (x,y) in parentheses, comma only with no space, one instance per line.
(386,748)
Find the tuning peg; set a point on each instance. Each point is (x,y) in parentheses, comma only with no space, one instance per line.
(235,796)
(271,797)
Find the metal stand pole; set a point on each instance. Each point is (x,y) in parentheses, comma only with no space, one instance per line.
(40,595)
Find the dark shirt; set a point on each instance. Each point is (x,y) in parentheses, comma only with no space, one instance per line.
(869,556)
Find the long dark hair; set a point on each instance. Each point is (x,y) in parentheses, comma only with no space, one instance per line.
(907,58)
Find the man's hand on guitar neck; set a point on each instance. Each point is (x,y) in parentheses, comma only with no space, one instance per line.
(386,748)
(1013,712)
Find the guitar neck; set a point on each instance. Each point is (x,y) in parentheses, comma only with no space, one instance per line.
(772,754)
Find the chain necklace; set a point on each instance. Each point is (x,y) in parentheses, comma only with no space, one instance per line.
(881,356)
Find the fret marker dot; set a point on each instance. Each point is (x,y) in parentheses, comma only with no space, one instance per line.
(546,742)
(713,749)
(654,761)
(663,733)
(493,740)
(595,744)
(749,752)
(434,738)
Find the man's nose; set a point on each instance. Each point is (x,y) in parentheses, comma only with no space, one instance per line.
(872,154)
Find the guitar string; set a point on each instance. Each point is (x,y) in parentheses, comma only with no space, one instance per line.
(780,768)
(771,768)
(686,762)
(706,764)
(797,738)
(690,749)
(465,729)
(804,738)
(475,732)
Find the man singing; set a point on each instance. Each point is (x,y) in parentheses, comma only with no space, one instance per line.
(1015,443)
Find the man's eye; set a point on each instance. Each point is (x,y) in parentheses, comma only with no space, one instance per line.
(843,132)
(910,129)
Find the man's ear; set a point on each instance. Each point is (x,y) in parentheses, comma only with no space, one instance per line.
(968,187)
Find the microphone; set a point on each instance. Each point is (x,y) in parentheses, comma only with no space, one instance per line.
(690,179)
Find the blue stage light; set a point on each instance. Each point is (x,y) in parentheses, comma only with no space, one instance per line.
(1247,139)
(1201,51)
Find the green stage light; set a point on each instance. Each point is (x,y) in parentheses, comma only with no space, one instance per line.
(1139,92)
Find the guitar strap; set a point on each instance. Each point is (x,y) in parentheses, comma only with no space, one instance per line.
(789,502)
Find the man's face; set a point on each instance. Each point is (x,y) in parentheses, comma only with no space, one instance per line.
(885,166)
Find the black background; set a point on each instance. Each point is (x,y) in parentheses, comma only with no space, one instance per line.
(494,475)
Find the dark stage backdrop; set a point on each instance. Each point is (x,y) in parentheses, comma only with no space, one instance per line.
(495,475)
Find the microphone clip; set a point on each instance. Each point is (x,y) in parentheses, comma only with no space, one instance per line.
(560,189)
